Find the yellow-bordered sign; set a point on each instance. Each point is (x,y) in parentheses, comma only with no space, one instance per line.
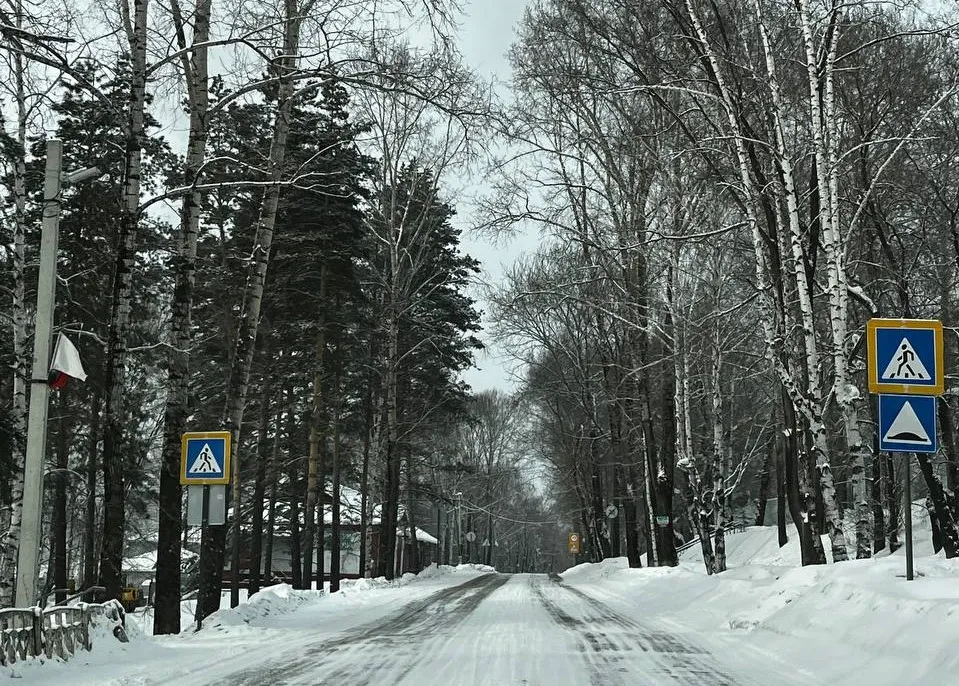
(205,458)
(573,543)
(905,356)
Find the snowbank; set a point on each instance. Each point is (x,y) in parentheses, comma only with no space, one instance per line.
(855,622)
(282,599)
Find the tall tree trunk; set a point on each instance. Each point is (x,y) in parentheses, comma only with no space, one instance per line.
(850,411)
(295,477)
(942,507)
(314,482)
(631,518)
(893,500)
(764,478)
(781,491)
(365,533)
(166,617)
(114,478)
(598,516)
(208,599)
(259,485)
(391,496)
(878,515)
(719,460)
(11,517)
(950,448)
(413,555)
(58,526)
(90,520)
(335,546)
(271,516)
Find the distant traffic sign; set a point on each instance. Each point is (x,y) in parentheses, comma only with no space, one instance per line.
(573,543)
(907,423)
(905,356)
(205,458)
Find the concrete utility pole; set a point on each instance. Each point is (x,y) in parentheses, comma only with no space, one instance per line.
(26,590)
(29,547)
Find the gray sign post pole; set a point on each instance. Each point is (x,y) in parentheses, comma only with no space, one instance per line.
(907,515)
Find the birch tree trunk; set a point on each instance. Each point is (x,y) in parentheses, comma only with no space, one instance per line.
(719,459)
(166,618)
(391,453)
(114,513)
(208,598)
(12,513)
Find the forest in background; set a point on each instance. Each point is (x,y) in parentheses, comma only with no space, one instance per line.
(726,193)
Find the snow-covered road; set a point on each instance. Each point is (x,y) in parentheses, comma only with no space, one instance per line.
(499,630)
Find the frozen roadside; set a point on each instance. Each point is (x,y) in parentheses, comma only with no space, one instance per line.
(244,636)
(854,622)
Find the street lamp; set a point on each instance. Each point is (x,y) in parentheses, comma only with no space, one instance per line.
(29,547)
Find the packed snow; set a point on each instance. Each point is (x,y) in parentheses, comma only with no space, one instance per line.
(766,621)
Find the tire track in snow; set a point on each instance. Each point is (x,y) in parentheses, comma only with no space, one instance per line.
(377,653)
(619,650)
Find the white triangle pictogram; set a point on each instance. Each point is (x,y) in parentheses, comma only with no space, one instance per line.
(205,462)
(906,428)
(905,365)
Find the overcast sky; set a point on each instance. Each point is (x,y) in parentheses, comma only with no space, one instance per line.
(488,30)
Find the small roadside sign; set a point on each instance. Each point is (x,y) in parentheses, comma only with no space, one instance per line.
(907,424)
(905,356)
(205,458)
(573,543)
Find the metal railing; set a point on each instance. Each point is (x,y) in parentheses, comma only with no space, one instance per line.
(59,631)
(732,527)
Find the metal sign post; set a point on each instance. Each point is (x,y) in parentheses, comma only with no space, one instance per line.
(906,368)
(205,471)
(907,515)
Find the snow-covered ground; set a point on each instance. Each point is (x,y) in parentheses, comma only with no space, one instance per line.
(858,622)
(764,622)
(274,622)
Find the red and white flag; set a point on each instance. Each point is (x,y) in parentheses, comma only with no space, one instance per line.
(66,363)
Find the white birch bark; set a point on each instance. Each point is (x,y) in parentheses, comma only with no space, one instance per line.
(111,554)
(11,516)
(195,74)
(719,458)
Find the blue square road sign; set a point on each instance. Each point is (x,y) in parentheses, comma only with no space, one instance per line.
(205,458)
(905,356)
(907,423)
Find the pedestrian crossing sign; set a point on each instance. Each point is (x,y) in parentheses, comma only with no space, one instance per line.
(907,424)
(205,458)
(905,356)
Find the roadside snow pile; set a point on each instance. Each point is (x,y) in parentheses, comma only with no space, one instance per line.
(591,571)
(854,622)
(473,567)
(283,599)
(272,600)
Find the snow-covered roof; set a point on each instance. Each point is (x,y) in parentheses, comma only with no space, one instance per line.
(147,562)
(351,502)
(420,535)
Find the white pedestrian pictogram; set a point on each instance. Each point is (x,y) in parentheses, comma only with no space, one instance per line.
(906,428)
(205,462)
(906,365)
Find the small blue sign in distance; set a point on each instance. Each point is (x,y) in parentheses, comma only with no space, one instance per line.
(907,423)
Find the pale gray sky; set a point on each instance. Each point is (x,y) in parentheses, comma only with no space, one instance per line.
(488,30)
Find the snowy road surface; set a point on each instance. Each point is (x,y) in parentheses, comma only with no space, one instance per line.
(499,630)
